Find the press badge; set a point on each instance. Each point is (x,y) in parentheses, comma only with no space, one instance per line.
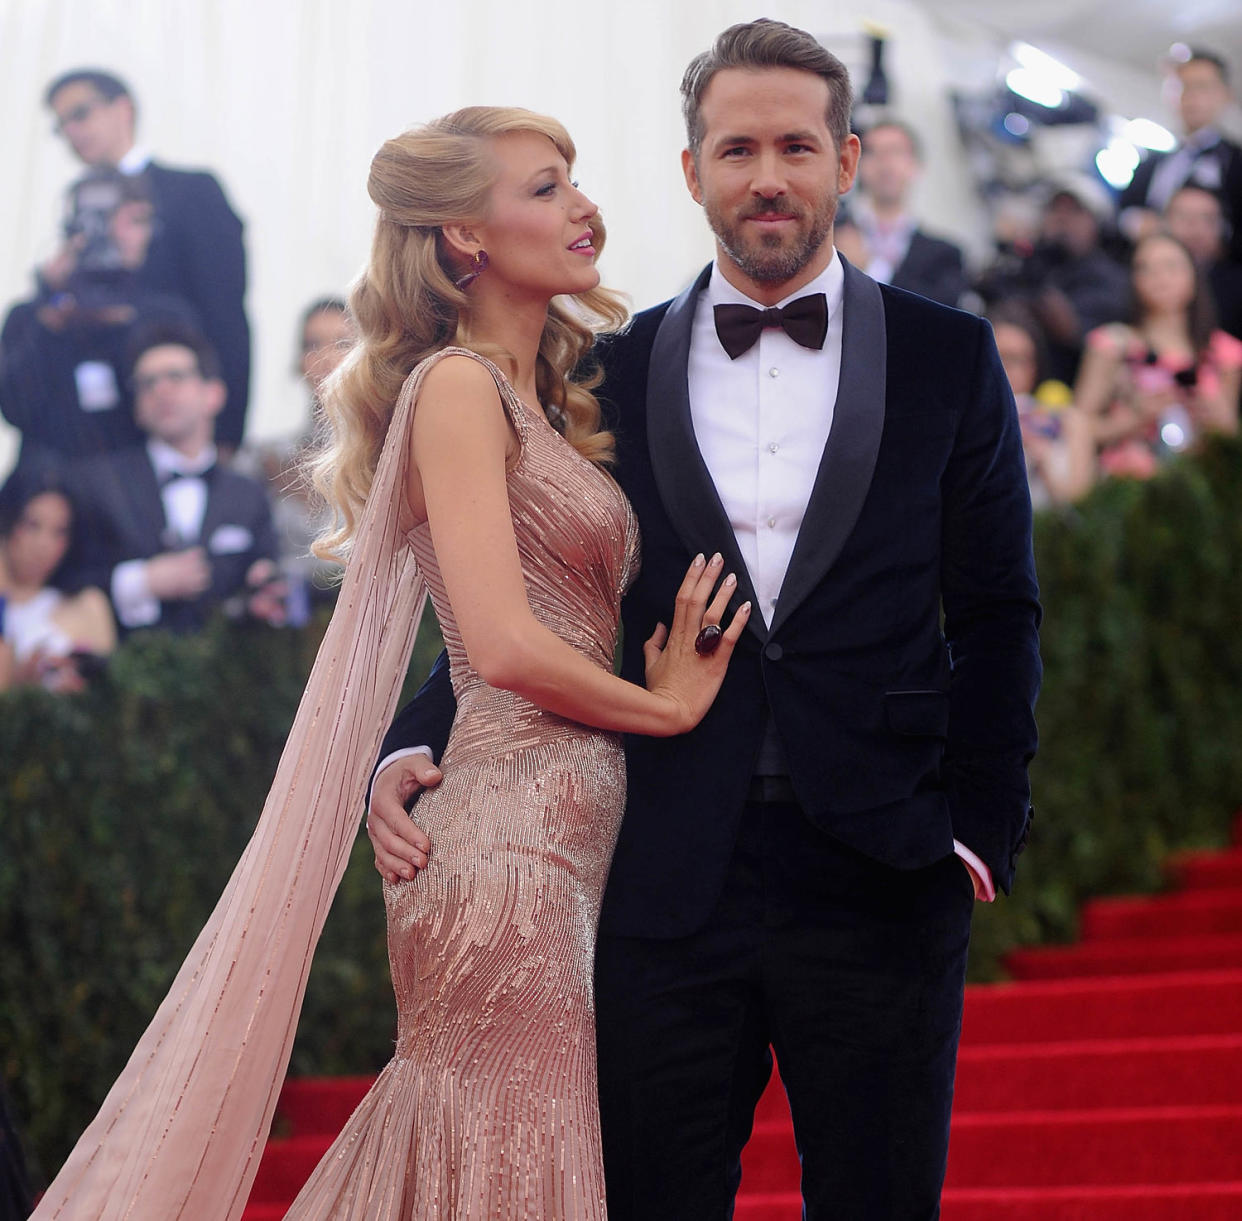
(97,389)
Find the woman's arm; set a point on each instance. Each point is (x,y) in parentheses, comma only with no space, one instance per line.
(461,440)
(1096,392)
(1069,468)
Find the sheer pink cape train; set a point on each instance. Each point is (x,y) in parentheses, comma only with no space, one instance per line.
(181,1132)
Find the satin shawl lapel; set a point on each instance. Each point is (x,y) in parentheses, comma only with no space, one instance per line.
(139,491)
(216,509)
(849,458)
(686,488)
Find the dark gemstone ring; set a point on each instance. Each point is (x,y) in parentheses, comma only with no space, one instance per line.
(708,640)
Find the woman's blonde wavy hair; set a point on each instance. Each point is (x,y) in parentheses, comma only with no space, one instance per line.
(406,306)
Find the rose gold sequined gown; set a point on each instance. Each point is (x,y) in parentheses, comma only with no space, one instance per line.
(489,1108)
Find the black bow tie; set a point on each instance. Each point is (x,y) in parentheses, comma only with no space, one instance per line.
(174,476)
(805,321)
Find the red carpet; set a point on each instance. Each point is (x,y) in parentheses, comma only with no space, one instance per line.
(1104,1083)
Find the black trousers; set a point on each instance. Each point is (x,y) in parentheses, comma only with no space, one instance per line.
(852,971)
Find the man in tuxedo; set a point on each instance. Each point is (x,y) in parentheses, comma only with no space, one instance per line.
(1204,158)
(799,872)
(196,249)
(64,362)
(1194,216)
(898,250)
(167,530)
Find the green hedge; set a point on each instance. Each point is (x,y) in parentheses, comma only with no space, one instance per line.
(123,810)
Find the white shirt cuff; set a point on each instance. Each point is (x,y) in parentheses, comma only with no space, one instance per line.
(404,753)
(135,605)
(985,887)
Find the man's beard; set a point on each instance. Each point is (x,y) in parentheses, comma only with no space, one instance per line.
(771,261)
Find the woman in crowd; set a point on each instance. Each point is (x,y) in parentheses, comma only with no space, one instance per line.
(1056,436)
(485,484)
(1154,386)
(54,638)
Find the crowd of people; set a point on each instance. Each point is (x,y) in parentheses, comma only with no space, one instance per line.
(135,503)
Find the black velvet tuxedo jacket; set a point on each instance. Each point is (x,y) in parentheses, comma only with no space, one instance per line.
(196,252)
(899,736)
(932,268)
(120,516)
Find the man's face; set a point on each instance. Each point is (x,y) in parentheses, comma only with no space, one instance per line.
(768,173)
(1204,95)
(1194,218)
(888,167)
(1070,225)
(99,131)
(173,401)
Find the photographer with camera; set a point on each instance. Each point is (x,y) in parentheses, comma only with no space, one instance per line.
(1067,279)
(196,251)
(63,354)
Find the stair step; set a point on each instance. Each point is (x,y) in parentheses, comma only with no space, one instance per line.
(316,1106)
(1199,1070)
(1178,1003)
(1207,870)
(1142,1202)
(1133,956)
(1052,1149)
(1097,1148)
(286,1165)
(1178,915)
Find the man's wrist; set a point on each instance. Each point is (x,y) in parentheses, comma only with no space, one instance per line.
(404,753)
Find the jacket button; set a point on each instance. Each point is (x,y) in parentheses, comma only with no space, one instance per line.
(773,652)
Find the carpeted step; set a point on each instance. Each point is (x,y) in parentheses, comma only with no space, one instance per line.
(1142,1202)
(1132,956)
(1133,1007)
(1179,915)
(1096,1147)
(1208,870)
(1148,1202)
(1052,1149)
(286,1165)
(316,1106)
(1199,1070)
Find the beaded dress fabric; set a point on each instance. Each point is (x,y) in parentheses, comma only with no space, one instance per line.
(489,1108)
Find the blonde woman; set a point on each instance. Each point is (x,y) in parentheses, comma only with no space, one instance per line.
(486,485)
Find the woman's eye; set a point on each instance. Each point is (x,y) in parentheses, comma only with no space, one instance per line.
(546,189)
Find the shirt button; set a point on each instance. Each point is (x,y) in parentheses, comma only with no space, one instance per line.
(774,372)
(772,447)
(771,523)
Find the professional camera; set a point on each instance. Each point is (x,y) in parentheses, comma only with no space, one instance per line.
(102,275)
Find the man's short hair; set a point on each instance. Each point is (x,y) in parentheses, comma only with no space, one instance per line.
(767,44)
(895,124)
(167,333)
(1198,55)
(108,86)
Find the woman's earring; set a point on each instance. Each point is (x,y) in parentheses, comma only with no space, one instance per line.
(478,265)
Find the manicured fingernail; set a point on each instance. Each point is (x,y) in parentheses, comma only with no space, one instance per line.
(744,609)
(698,560)
(717,559)
(730,580)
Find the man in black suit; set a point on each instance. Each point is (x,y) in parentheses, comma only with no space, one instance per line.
(898,251)
(64,361)
(798,872)
(167,530)
(1204,158)
(196,250)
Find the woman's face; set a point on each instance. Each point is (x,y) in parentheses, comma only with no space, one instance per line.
(326,339)
(537,233)
(39,539)
(1017,353)
(1164,277)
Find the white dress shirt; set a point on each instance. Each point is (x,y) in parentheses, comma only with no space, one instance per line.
(185,504)
(761,422)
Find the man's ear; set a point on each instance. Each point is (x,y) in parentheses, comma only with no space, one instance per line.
(216,394)
(847,169)
(691,171)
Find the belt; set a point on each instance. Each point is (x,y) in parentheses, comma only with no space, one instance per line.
(771,790)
